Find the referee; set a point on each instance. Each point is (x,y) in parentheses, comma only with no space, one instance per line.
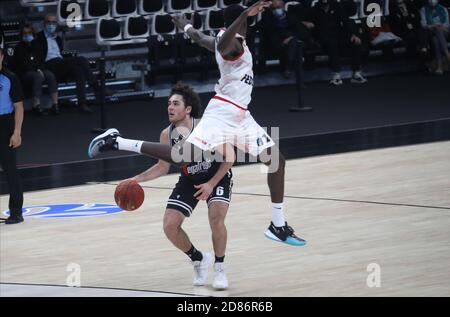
(11,118)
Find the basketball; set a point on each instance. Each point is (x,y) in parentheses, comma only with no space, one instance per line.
(129,195)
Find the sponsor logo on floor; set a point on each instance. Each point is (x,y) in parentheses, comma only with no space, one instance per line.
(69,210)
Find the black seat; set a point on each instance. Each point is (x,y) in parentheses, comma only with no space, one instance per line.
(150,7)
(137,27)
(96,9)
(124,7)
(204,4)
(108,30)
(214,20)
(179,5)
(163,24)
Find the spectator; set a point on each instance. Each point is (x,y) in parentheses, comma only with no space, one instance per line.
(29,66)
(50,46)
(435,21)
(280,31)
(332,28)
(404,20)
(11,118)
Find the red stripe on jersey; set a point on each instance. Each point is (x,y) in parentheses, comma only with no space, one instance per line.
(230,102)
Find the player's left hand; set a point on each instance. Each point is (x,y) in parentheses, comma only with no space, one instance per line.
(204,191)
(181,21)
(258,7)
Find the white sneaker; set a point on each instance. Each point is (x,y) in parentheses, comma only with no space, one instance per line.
(201,269)
(336,80)
(220,278)
(358,78)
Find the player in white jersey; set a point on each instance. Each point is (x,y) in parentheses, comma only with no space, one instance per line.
(226,120)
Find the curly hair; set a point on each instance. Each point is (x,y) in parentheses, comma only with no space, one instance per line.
(190,97)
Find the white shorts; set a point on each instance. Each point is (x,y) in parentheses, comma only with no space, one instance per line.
(226,122)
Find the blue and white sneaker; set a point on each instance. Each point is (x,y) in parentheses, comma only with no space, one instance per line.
(104,142)
(283,234)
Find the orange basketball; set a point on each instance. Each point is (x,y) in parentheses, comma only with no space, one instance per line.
(129,195)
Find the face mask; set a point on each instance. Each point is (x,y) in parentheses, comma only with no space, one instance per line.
(28,38)
(433,2)
(278,12)
(50,28)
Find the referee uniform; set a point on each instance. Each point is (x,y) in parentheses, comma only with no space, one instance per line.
(10,94)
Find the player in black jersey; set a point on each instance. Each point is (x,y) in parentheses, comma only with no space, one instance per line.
(204,180)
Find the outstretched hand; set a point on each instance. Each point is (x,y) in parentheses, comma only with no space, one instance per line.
(258,7)
(181,21)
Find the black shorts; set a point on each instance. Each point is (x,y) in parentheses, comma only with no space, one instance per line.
(183,200)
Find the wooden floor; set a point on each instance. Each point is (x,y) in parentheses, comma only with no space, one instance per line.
(389,206)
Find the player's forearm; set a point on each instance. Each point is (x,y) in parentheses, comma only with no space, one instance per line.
(18,117)
(223,169)
(201,39)
(152,173)
(229,157)
(226,41)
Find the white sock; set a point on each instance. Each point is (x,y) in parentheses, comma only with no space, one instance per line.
(278,215)
(129,145)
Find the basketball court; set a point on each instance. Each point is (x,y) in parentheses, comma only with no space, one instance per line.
(386,207)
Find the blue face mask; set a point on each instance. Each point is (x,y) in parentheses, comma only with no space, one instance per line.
(50,28)
(28,38)
(278,12)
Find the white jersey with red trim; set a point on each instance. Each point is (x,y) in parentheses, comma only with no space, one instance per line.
(236,76)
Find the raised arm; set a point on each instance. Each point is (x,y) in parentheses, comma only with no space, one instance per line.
(198,37)
(229,45)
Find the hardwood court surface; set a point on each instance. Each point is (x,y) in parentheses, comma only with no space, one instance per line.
(388,206)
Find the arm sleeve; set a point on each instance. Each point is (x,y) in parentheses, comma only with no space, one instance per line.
(16,92)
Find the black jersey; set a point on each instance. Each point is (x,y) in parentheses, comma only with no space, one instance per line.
(198,172)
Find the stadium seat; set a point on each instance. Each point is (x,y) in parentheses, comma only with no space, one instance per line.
(214,20)
(109,32)
(95,9)
(137,28)
(123,8)
(291,5)
(199,5)
(179,6)
(37,3)
(226,3)
(151,7)
(162,25)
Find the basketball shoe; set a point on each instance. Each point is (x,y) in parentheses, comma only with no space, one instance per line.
(220,278)
(283,234)
(104,142)
(201,269)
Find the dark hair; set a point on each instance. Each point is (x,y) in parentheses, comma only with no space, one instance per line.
(28,26)
(190,97)
(231,13)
